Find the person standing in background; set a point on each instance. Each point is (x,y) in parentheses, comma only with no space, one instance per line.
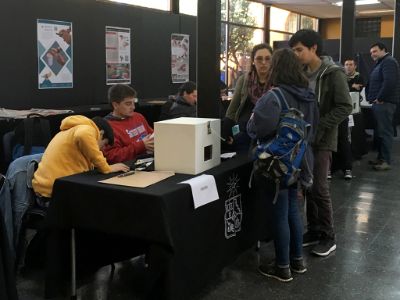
(383,92)
(249,88)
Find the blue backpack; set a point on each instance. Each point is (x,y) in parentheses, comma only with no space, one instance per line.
(280,158)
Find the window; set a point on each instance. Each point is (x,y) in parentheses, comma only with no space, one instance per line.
(283,20)
(284,23)
(157,4)
(308,23)
(242,27)
(368,27)
(188,7)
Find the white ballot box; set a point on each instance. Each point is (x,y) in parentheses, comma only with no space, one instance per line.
(187,145)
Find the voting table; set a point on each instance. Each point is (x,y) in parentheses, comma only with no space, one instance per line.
(186,248)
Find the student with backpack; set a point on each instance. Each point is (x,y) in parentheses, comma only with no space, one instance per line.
(290,94)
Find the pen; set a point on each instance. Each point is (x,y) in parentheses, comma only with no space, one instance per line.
(126,174)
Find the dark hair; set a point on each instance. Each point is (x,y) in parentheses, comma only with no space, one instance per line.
(351,59)
(308,38)
(286,69)
(380,45)
(254,51)
(117,93)
(102,124)
(188,87)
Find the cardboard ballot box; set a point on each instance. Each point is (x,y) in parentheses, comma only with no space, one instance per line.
(187,145)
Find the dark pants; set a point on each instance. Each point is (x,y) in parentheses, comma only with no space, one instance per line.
(344,146)
(319,202)
(383,114)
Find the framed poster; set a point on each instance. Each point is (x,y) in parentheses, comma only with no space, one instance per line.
(55,56)
(118,55)
(179,57)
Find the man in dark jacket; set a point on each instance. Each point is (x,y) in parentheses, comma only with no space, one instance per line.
(184,105)
(332,93)
(383,92)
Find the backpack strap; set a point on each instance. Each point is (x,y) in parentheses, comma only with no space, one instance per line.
(281,98)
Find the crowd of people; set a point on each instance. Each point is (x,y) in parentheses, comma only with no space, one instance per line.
(311,82)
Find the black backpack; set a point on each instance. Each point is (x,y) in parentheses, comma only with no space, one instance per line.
(32,136)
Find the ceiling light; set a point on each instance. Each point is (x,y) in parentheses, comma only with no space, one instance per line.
(378,11)
(359,2)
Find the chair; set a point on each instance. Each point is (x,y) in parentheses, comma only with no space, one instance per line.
(8,145)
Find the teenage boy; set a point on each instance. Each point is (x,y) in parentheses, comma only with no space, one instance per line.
(332,94)
(75,149)
(132,134)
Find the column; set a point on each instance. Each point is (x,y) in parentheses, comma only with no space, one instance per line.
(208,53)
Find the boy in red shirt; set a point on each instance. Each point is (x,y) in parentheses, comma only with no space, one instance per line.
(132,133)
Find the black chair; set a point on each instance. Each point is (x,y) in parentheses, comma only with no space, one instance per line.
(8,145)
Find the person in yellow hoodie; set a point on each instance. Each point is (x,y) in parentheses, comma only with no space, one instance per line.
(75,149)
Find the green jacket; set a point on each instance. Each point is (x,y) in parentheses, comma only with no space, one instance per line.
(239,99)
(333,97)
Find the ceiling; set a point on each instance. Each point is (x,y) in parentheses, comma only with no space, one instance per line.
(325,9)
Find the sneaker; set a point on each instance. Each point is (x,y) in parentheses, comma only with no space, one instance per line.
(384,166)
(298,266)
(311,238)
(348,175)
(329,177)
(375,162)
(273,271)
(325,247)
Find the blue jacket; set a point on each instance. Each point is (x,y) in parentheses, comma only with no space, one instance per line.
(16,194)
(266,115)
(383,83)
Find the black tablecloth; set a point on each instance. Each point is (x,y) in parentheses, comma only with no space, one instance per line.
(187,246)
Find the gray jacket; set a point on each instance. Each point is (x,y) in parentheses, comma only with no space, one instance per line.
(17,194)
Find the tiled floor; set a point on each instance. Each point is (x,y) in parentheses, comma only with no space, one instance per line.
(366,264)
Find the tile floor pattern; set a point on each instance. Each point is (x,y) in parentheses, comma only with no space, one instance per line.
(366,264)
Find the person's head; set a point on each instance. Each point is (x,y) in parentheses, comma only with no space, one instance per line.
(106,132)
(188,91)
(261,59)
(377,51)
(350,66)
(286,69)
(307,45)
(122,99)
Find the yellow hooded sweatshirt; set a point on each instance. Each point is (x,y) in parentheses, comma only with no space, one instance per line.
(73,150)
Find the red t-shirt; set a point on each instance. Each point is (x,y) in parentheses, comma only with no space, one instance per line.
(128,135)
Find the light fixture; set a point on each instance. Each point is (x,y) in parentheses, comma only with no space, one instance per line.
(359,2)
(378,11)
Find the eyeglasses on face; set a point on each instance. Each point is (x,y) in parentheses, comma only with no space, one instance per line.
(262,58)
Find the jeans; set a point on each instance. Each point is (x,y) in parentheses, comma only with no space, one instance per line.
(287,226)
(383,114)
(319,202)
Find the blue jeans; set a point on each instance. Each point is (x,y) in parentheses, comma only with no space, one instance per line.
(287,226)
(383,114)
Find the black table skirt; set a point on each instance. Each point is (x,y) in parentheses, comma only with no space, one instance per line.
(185,246)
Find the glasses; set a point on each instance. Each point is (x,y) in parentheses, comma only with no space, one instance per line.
(262,59)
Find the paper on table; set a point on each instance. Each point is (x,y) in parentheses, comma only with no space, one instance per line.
(204,189)
(228,155)
(139,179)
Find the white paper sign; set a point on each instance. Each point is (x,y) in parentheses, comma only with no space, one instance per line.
(204,189)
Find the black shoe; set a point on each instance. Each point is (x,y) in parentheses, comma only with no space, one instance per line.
(298,266)
(348,175)
(273,271)
(311,238)
(325,247)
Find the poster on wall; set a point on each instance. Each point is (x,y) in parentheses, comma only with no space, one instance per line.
(55,58)
(179,57)
(118,55)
